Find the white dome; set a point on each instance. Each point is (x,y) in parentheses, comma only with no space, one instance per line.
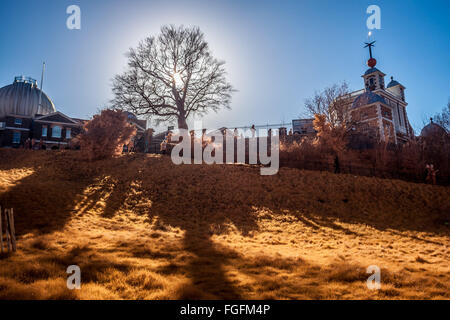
(22,98)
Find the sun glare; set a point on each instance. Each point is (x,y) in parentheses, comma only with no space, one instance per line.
(177,78)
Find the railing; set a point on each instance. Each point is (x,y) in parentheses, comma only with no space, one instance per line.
(25,80)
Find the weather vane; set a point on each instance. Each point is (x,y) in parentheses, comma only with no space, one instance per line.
(371,62)
(370,45)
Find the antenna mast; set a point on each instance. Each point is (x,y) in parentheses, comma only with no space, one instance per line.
(42,81)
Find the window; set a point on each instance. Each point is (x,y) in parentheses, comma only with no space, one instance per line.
(56,132)
(380,80)
(18,121)
(16,137)
(68,133)
(44,131)
(399,115)
(2,125)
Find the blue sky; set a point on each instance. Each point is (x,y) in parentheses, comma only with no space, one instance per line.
(277,53)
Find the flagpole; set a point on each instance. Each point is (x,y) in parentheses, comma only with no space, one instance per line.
(42,81)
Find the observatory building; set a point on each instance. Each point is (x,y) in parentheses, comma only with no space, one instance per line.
(28,113)
(380,110)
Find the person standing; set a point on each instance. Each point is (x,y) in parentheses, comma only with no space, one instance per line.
(433,172)
(163,146)
(337,165)
(253,130)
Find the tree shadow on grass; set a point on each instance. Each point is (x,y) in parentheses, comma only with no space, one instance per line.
(43,201)
(207,200)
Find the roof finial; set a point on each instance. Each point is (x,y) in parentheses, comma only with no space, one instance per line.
(431,120)
(392,78)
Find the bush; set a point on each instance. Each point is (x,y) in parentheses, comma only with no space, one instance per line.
(105,135)
(403,161)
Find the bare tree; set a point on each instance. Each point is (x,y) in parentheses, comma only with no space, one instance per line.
(443,118)
(172,77)
(333,102)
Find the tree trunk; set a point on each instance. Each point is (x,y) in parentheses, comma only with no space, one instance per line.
(182,124)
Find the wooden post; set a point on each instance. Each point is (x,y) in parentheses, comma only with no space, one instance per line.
(12,229)
(1,230)
(8,237)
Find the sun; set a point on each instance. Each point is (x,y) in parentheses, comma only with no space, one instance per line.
(177,78)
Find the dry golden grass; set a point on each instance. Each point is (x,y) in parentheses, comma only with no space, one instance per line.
(142,228)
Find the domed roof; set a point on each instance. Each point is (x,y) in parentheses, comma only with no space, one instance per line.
(366,98)
(393,83)
(371,70)
(22,98)
(433,130)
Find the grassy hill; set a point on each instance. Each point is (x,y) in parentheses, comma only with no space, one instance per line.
(140,227)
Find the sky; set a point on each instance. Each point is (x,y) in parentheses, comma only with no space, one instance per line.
(277,53)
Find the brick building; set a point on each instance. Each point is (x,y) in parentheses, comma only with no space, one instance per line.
(28,113)
(380,110)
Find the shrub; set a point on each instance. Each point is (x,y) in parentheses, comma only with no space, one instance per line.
(105,135)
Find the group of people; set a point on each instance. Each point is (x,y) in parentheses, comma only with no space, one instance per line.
(31,144)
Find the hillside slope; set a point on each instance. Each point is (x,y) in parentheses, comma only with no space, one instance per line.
(140,227)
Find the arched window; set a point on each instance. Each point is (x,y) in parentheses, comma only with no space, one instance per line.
(56,132)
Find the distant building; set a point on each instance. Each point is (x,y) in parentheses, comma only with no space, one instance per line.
(303,127)
(141,125)
(141,141)
(28,113)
